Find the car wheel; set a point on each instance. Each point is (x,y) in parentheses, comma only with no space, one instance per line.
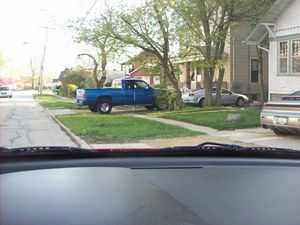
(279,132)
(201,103)
(92,109)
(104,106)
(240,102)
(10,96)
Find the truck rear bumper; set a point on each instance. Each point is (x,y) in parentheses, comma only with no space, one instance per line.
(79,102)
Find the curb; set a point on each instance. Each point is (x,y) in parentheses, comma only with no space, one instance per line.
(81,143)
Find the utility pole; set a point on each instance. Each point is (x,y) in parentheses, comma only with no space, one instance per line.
(42,62)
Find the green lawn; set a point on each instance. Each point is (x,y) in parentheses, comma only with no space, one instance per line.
(51,101)
(188,109)
(46,97)
(113,128)
(217,120)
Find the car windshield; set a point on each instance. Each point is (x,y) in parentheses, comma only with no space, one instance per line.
(148,74)
(4,88)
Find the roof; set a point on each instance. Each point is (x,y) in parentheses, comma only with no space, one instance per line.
(261,31)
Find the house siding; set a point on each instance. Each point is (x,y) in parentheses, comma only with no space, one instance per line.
(241,54)
(289,21)
(287,27)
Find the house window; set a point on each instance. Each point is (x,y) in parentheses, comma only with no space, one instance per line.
(283,57)
(296,56)
(254,70)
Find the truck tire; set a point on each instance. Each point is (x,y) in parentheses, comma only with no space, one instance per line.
(150,107)
(104,106)
(92,109)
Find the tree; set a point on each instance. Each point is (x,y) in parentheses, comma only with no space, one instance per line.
(33,72)
(149,27)
(63,73)
(76,76)
(97,35)
(206,24)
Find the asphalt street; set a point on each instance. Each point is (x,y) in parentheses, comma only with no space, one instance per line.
(24,123)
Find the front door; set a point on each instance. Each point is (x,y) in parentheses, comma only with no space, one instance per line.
(144,94)
(226,97)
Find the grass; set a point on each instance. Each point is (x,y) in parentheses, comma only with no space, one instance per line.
(52,101)
(188,109)
(113,128)
(217,120)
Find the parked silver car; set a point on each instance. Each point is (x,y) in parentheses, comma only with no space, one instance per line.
(228,97)
(283,117)
(5,91)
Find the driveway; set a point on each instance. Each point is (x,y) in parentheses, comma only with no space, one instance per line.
(23,122)
(262,137)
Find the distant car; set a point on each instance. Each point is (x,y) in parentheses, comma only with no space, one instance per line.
(5,91)
(228,97)
(283,117)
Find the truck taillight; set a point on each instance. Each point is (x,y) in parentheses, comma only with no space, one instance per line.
(191,94)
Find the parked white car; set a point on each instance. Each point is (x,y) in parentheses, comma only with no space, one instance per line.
(228,97)
(5,91)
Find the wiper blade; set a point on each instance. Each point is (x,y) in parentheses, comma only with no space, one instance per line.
(229,148)
(42,150)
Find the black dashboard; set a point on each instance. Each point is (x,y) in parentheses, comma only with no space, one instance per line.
(157,190)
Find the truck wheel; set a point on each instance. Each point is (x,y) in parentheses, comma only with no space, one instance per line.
(92,109)
(150,107)
(104,106)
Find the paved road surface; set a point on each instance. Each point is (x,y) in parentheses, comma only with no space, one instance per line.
(23,122)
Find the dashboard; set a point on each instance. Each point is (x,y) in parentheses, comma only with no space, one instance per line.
(152,190)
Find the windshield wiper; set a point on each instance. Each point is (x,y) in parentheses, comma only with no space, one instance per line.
(220,147)
(42,150)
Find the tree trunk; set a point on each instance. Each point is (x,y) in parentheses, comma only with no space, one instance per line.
(207,88)
(95,74)
(32,81)
(188,75)
(101,82)
(219,86)
(261,75)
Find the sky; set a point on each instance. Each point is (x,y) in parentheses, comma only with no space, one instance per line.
(23,36)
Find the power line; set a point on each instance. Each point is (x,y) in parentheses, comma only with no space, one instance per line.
(88,12)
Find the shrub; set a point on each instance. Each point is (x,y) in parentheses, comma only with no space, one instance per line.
(168,99)
(68,90)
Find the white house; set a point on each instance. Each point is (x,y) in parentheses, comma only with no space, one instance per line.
(278,33)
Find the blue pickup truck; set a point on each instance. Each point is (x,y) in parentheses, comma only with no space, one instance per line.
(124,91)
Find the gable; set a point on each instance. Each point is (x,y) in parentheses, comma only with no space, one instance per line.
(288,22)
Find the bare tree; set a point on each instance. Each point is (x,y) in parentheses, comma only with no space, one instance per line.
(33,72)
